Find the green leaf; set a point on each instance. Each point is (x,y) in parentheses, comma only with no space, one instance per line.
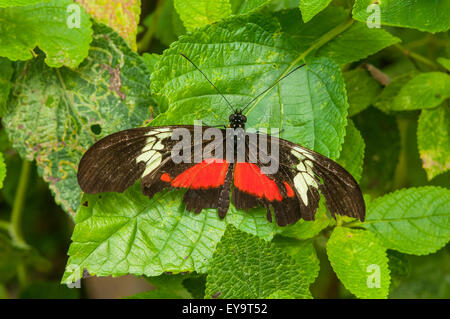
(195,14)
(352,154)
(340,32)
(196,286)
(309,106)
(362,41)
(122,16)
(385,100)
(56,114)
(150,60)
(303,252)
(382,139)
(305,229)
(360,262)
(6,71)
(246,6)
(2,170)
(433,140)
(444,62)
(11,256)
(310,8)
(247,267)
(130,234)
(413,221)
(161,236)
(424,91)
(424,15)
(362,90)
(51,27)
(428,278)
(19,3)
(166,287)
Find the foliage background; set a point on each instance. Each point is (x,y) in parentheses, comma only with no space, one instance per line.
(374,99)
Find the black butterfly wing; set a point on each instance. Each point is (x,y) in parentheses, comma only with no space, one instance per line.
(117,161)
(341,191)
(305,173)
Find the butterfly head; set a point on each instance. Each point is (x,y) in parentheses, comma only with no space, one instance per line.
(237,119)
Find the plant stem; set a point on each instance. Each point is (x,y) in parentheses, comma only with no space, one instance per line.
(401,172)
(146,40)
(5,225)
(418,57)
(19,199)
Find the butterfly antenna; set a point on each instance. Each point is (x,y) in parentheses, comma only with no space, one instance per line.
(270,87)
(228,102)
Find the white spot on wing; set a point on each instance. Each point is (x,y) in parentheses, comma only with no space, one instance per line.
(152,165)
(301,187)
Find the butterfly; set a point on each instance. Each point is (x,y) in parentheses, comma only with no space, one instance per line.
(225,165)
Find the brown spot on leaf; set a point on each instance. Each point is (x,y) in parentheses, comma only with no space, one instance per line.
(217,294)
(115,82)
(86,204)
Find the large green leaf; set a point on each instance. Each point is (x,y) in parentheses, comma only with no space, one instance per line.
(245,266)
(309,106)
(424,91)
(352,154)
(413,221)
(195,14)
(56,114)
(118,234)
(303,252)
(48,26)
(433,139)
(332,32)
(424,15)
(122,16)
(2,170)
(150,236)
(310,8)
(360,262)
(362,90)
(6,71)
(385,100)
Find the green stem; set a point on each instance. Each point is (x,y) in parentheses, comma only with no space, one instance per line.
(401,172)
(5,225)
(19,199)
(22,274)
(146,40)
(418,57)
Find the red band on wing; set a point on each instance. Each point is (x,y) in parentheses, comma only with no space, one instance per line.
(166,178)
(289,191)
(249,178)
(208,174)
